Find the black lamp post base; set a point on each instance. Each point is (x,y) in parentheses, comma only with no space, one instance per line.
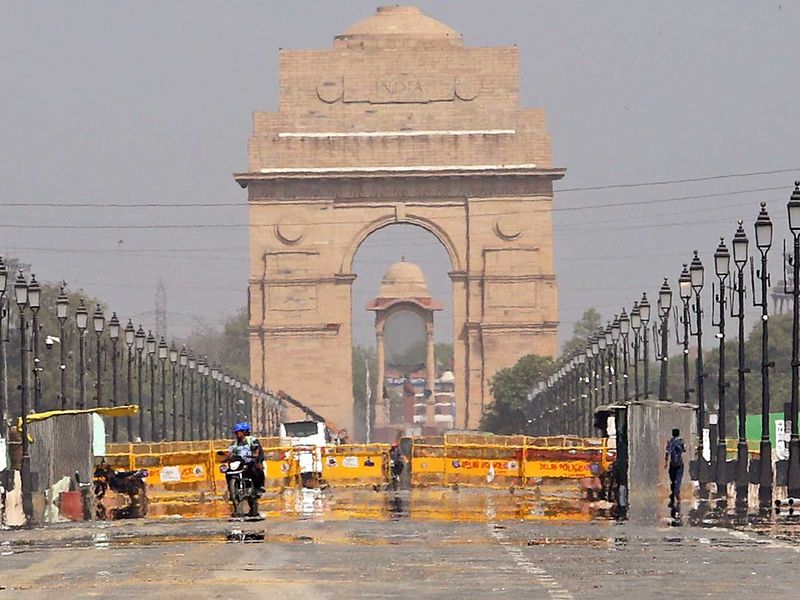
(721,468)
(765,474)
(794,468)
(742,475)
(27,492)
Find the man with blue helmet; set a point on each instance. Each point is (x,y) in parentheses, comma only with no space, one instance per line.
(249,449)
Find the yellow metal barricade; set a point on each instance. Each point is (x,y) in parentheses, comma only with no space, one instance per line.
(355,465)
(504,461)
(183,474)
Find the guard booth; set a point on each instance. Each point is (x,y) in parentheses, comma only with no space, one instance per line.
(640,430)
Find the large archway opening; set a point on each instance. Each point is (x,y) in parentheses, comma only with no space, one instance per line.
(404,333)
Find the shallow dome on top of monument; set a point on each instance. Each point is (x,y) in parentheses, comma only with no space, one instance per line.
(398,26)
(404,280)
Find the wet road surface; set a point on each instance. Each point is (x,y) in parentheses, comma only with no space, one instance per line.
(378,557)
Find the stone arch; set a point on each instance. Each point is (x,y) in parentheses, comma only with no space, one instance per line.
(429,225)
(407,306)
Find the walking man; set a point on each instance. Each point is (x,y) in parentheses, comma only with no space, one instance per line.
(673,461)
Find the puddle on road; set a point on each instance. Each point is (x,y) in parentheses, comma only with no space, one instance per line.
(340,504)
(427,504)
(117,541)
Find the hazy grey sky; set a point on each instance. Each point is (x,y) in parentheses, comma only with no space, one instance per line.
(142,102)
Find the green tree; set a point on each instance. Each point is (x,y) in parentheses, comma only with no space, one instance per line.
(443,353)
(228,347)
(510,388)
(589,323)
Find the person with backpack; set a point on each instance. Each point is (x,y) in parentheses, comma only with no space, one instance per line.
(673,461)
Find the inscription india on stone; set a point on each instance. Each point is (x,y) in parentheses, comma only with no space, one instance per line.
(401,88)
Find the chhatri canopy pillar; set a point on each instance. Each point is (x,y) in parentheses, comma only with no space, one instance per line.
(403,288)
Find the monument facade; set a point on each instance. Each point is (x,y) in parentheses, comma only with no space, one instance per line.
(399,122)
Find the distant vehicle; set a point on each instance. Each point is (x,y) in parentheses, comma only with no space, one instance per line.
(307,438)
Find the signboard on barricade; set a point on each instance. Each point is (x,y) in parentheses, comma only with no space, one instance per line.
(561,469)
(482,472)
(355,465)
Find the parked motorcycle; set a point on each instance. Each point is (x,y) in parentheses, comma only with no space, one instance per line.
(240,487)
(130,483)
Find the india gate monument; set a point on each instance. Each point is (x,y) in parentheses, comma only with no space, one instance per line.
(398,122)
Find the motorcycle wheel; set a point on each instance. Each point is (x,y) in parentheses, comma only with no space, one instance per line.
(252,501)
(235,497)
(141,499)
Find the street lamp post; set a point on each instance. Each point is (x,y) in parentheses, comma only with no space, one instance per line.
(62,310)
(4,412)
(21,296)
(664,308)
(624,330)
(794,440)
(192,404)
(99,323)
(740,258)
(586,399)
(183,361)
(81,321)
(607,334)
(697,276)
(763,229)
(241,402)
(113,334)
(644,312)
(215,375)
(139,344)
(685,294)
(722,260)
(130,339)
(602,345)
(615,336)
(595,377)
(636,326)
(211,401)
(163,354)
(151,357)
(173,359)
(202,409)
(34,302)
(228,395)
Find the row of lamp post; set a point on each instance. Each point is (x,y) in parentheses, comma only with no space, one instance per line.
(209,409)
(565,401)
(181,414)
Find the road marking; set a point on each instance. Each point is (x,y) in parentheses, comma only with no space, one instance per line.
(542,577)
(769,542)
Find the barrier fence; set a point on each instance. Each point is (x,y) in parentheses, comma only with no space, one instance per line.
(505,461)
(190,470)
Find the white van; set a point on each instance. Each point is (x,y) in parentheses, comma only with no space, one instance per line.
(307,438)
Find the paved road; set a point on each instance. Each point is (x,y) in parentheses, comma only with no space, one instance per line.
(387,558)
